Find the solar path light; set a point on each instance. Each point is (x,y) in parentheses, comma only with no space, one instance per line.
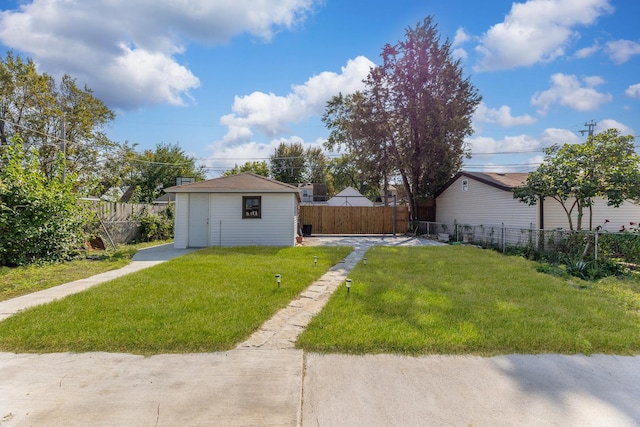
(348,281)
(278,278)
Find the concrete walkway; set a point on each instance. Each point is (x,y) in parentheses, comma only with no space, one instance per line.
(145,258)
(265,381)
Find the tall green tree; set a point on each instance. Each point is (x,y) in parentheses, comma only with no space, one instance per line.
(53,118)
(259,168)
(41,218)
(344,173)
(606,166)
(287,163)
(412,117)
(316,166)
(154,170)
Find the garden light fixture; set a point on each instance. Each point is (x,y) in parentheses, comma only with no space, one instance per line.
(278,277)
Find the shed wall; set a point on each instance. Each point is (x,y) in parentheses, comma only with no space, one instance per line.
(483,204)
(181,221)
(276,227)
(555,216)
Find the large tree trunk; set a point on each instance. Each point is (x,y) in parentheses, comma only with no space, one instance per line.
(410,199)
(579,224)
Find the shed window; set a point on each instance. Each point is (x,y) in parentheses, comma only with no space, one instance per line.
(251,206)
(465,185)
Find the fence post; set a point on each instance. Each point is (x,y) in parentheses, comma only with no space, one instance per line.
(595,249)
(504,239)
(395,214)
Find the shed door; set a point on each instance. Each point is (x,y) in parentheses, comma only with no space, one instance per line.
(198,220)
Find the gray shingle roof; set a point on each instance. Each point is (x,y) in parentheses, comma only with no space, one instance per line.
(241,183)
(503,181)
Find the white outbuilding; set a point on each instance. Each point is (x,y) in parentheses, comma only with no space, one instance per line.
(349,197)
(237,210)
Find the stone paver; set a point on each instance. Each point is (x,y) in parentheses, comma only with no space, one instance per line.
(282,330)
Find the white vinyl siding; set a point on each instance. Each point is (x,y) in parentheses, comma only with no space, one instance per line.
(482,204)
(275,227)
(181,221)
(555,216)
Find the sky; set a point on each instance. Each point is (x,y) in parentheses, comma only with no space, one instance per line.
(228,80)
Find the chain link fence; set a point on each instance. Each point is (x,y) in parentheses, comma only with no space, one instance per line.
(551,245)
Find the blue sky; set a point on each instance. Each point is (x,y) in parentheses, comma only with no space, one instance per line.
(228,80)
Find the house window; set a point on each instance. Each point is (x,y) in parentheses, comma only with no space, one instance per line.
(251,206)
(465,185)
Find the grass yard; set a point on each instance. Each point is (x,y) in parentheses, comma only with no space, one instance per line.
(205,301)
(18,281)
(464,300)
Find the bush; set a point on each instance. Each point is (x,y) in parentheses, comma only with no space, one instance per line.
(156,226)
(41,219)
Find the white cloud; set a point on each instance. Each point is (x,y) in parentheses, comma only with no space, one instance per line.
(460,38)
(621,50)
(519,144)
(605,124)
(226,156)
(502,116)
(481,145)
(633,91)
(271,114)
(459,53)
(567,90)
(536,31)
(553,136)
(528,165)
(586,52)
(126,51)
(512,149)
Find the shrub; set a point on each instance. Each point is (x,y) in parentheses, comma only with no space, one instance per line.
(156,226)
(41,219)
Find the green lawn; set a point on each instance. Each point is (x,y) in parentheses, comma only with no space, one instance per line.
(209,300)
(18,281)
(464,300)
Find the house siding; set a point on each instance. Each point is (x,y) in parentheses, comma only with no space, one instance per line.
(228,228)
(483,204)
(181,221)
(555,216)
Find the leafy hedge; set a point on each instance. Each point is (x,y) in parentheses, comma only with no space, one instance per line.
(41,219)
(156,226)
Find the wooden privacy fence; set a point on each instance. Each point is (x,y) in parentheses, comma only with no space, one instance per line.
(353,220)
(117,220)
(116,212)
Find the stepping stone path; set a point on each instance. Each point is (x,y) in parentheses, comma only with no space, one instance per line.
(282,330)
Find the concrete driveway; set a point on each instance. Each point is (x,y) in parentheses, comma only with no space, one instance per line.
(265,381)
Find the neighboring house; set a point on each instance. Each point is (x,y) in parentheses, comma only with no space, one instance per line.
(243,209)
(165,199)
(313,193)
(349,197)
(484,198)
(391,196)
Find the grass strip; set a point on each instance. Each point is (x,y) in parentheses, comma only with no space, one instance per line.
(465,300)
(15,282)
(205,301)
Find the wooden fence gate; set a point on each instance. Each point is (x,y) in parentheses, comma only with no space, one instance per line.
(353,220)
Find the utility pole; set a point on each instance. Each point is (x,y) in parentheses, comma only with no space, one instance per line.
(64,147)
(590,127)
